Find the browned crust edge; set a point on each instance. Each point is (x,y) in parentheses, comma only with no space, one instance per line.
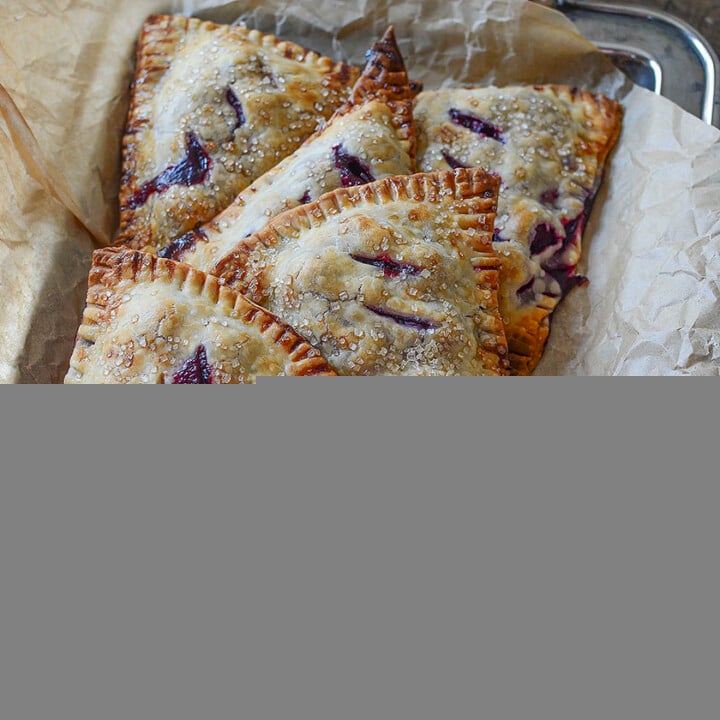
(528,337)
(157,45)
(601,121)
(385,78)
(113,265)
(605,114)
(160,37)
(473,193)
(526,340)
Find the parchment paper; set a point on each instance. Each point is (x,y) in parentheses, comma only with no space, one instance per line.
(652,250)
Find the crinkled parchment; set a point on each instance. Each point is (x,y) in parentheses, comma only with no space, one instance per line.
(652,249)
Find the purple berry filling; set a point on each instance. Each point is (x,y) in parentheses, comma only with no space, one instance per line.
(565,277)
(411,321)
(353,171)
(193,169)
(555,266)
(574,228)
(527,292)
(476,125)
(390,267)
(305,199)
(545,237)
(195,371)
(178,247)
(454,163)
(236,105)
(550,197)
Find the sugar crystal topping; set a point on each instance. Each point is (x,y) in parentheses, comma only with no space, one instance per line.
(162,323)
(246,105)
(378,287)
(549,178)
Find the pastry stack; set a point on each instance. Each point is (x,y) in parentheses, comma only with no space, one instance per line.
(286,214)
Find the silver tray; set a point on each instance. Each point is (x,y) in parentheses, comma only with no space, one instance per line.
(655,49)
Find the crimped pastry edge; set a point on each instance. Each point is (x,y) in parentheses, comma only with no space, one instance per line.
(528,332)
(111,266)
(473,193)
(159,39)
(385,78)
(380,83)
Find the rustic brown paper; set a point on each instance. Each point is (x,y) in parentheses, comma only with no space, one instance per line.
(65,68)
(653,255)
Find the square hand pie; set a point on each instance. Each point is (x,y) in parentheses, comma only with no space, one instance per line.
(549,145)
(213,108)
(371,137)
(150,320)
(397,277)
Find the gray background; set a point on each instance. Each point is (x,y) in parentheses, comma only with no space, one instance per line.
(382,549)
(702,14)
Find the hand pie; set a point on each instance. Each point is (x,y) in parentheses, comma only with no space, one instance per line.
(549,145)
(150,320)
(213,108)
(397,277)
(371,137)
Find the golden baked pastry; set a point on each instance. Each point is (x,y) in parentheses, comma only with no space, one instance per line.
(150,320)
(214,107)
(370,137)
(549,145)
(397,277)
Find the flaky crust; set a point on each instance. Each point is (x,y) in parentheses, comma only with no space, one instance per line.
(150,320)
(396,277)
(181,107)
(374,127)
(385,77)
(601,117)
(549,144)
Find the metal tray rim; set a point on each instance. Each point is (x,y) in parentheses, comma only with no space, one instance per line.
(706,54)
